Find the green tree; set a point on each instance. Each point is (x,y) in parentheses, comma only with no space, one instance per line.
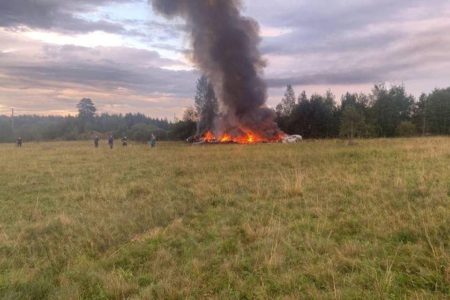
(321,117)
(302,98)
(352,123)
(298,121)
(6,132)
(182,130)
(332,116)
(390,107)
(279,110)
(359,102)
(312,118)
(419,117)
(86,109)
(206,105)
(86,114)
(437,111)
(287,104)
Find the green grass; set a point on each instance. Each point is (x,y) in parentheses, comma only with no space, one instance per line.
(319,220)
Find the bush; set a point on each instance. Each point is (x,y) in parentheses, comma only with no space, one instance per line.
(182,130)
(406,129)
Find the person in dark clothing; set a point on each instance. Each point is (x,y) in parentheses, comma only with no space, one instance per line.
(124,141)
(19,142)
(96,141)
(111,142)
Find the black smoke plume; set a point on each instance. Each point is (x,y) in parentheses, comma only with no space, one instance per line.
(225,48)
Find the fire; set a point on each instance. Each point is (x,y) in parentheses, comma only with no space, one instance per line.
(226,138)
(248,137)
(209,137)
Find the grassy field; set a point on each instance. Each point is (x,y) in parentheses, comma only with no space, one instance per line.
(317,220)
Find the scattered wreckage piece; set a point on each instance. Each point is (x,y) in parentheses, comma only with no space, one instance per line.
(292,139)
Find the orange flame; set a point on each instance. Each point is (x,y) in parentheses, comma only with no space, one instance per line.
(226,138)
(248,138)
(209,137)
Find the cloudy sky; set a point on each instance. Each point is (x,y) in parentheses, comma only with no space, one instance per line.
(127,59)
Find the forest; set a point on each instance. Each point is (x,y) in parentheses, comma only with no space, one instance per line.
(385,112)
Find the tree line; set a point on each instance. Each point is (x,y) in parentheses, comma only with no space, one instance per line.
(385,112)
(85,125)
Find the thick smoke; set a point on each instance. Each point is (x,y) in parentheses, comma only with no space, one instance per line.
(225,48)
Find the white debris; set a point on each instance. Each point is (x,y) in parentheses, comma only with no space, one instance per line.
(292,139)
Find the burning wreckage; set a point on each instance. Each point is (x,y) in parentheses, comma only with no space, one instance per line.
(225,49)
(244,138)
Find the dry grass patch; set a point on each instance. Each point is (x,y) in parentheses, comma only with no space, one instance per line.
(318,220)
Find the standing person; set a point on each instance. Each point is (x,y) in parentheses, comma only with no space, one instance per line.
(96,141)
(124,141)
(19,142)
(152,141)
(111,141)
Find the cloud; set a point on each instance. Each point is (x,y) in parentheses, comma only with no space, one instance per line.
(37,77)
(49,60)
(355,42)
(55,15)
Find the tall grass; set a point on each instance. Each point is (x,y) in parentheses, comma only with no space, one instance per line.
(315,220)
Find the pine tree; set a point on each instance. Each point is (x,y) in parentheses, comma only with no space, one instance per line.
(86,113)
(288,101)
(86,109)
(206,105)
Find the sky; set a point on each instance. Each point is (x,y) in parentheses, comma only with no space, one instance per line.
(126,58)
